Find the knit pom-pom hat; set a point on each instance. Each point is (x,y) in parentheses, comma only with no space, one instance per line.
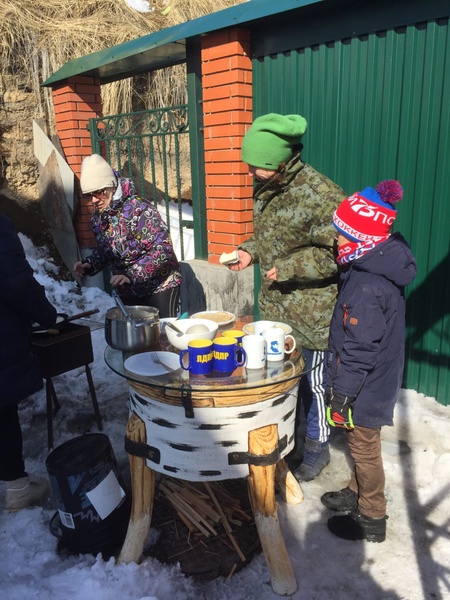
(369,215)
(270,140)
(96,174)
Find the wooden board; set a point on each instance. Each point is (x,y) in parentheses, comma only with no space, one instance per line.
(43,147)
(56,212)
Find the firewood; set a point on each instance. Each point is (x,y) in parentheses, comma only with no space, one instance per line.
(231,573)
(200,505)
(192,505)
(225,523)
(188,511)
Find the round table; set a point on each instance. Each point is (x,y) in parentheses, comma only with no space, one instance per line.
(209,428)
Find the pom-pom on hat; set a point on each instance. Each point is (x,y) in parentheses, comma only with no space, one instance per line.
(271,138)
(96,174)
(369,215)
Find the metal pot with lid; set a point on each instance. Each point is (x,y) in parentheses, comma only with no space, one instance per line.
(137,333)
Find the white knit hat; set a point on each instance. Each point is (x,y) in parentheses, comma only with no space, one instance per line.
(96,174)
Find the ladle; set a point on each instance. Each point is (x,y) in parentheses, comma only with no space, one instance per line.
(121,305)
(200,328)
(174,327)
(126,314)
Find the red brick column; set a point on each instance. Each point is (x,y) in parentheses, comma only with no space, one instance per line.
(227,114)
(76,101)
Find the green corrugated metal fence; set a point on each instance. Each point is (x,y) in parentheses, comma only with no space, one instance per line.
(378,107)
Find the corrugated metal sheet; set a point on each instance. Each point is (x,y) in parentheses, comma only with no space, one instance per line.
(378,107)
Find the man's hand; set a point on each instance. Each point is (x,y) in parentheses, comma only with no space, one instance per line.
(271,274)
(339,409)
(244,261)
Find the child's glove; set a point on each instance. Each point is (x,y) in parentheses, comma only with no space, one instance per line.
(339,409)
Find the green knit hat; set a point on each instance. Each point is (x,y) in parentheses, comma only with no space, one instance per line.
(270,140)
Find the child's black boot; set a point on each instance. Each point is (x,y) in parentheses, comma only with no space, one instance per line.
(315,458)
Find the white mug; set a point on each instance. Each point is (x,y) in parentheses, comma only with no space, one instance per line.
(255,348)
(276,339)
(259,326)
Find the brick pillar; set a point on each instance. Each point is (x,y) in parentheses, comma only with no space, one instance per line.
(76,101)
(227,114)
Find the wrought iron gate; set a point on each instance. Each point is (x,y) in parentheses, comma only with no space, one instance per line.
(152,148)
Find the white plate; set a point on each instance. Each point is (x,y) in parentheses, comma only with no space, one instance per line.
(142,364)
(221,317)
(248,328)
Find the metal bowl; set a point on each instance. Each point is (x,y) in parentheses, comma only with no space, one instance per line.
(136,335)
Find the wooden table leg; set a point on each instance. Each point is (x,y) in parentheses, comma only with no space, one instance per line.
(143,493)
(288,486)
(261,484)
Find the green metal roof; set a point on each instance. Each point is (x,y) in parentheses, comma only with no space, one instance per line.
(168,47)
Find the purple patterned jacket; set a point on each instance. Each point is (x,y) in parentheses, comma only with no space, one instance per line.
(133,240)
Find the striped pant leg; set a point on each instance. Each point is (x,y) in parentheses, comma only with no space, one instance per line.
(312,395)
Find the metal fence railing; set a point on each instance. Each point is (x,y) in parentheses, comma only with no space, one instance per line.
(152,148)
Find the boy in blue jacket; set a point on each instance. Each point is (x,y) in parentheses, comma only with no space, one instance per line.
(366,351)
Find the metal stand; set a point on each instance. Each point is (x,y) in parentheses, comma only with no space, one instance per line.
(51,396)
(58,354)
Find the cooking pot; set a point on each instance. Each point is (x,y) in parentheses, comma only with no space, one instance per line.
(61,320)
(135,335)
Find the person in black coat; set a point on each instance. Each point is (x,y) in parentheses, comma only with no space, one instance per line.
(366,351)
(22,301)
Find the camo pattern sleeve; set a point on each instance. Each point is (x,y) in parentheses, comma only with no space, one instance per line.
(293,231)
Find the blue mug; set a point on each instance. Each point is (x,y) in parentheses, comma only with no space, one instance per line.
(199,357)
(228,355)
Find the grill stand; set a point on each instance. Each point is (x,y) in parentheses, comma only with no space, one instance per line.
(58,354)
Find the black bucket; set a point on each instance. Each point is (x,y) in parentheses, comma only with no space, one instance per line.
(92,503)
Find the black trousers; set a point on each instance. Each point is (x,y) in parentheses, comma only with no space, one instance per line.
(12,465)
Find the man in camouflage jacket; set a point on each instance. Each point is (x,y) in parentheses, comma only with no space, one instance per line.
(293,243)
(293,231)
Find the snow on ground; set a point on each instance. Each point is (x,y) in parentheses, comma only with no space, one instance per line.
(412,564)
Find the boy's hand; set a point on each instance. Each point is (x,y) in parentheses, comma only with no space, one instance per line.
(339,409)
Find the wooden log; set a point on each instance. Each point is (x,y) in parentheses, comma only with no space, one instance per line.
(288,486)
(143,493)
(261,483)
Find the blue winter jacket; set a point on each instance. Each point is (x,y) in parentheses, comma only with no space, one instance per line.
(367,331)
(22,301)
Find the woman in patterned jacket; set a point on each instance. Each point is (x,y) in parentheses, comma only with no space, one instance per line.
(132,240)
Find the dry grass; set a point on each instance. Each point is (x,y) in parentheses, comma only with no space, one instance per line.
(37,37)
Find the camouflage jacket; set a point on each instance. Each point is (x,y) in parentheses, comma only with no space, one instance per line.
(293,231)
